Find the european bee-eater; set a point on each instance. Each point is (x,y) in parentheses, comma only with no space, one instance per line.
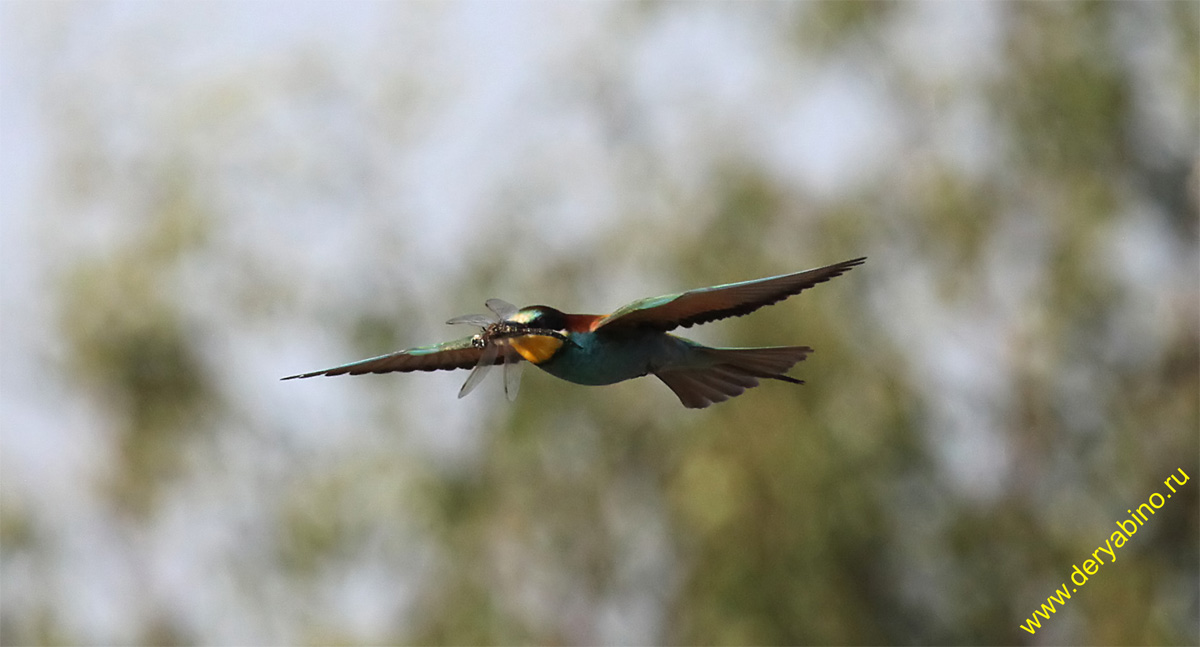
(629,343)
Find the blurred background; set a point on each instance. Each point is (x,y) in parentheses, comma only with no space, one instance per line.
(200,198)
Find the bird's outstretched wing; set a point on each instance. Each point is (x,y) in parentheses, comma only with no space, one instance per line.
(718,302)
(460,353)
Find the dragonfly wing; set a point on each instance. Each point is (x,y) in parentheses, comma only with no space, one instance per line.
(513,367)
(487,358)
(502,308)
(483,321)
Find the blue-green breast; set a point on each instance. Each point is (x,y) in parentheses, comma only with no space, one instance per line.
(596,358)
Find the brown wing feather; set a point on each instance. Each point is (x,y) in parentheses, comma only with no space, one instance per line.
(718,302)
(461,353)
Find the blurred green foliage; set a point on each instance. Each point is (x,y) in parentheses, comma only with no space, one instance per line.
(130,344)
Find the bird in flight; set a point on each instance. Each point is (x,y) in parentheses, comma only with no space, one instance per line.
(631,342)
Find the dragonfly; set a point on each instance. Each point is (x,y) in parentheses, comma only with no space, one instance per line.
(497,336)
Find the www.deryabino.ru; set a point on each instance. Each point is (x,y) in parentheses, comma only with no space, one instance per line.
(1079,576)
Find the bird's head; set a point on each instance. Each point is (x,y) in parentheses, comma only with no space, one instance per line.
(540,318)
(544,332)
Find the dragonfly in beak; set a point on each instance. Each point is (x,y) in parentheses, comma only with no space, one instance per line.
(505,340)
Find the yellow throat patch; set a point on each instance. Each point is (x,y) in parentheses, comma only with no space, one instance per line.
(536,348)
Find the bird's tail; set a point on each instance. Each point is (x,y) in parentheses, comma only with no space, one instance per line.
(728,372)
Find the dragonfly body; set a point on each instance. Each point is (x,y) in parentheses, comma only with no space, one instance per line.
(631,342)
